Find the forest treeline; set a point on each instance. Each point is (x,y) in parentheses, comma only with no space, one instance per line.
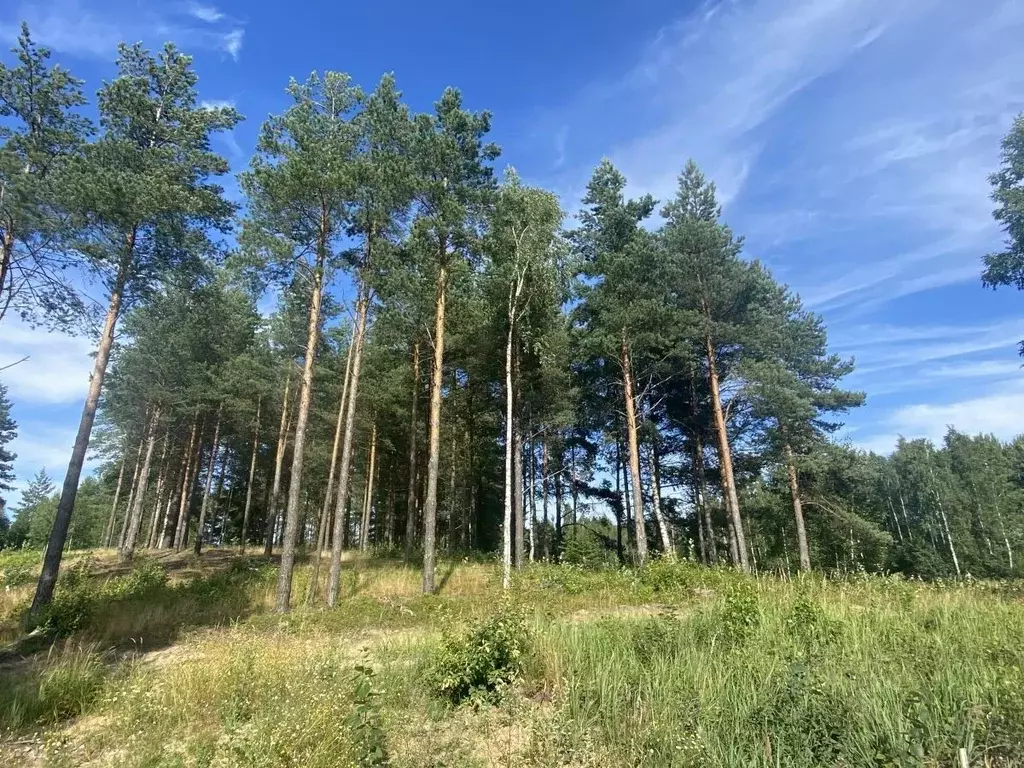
(389,344)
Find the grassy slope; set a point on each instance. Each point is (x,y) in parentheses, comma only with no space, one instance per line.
(675,666)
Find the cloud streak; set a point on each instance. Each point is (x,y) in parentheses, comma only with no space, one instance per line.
(208,13)
(94,28)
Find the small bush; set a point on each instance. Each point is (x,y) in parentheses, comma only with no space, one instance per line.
(482,662)
(810,625)
(74,601)
(368,737)
(740,614)
(16,574)
(586,549)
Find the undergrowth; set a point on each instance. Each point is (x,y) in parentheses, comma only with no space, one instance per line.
(673,665)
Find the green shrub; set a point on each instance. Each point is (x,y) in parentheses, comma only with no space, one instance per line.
(740,614)
(810,626)
(586,549)
(16,574)
(73,603)
(366,730)
(482,662)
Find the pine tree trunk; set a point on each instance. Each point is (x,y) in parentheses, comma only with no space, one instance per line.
(701,540)
(620,501)
(282,443)
(732,502)
(321,541)
(127,549)
(633,445)
(6,256)
(410,504)
(325,512)
(434,432)
(131,491)
(109,531)
(627,507)
(798,512)
(66,505)
(166,516)
(364,535)
(282,601)
(197,546)
(339,423)
(161,485)
(667,548)
(340,517)
(252,476)
(219,494)
(188,484)
(700,493)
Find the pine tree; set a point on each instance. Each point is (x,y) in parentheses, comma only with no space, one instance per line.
(622,304)
(793,381)
(382,192)
(454,183)
(712,294)
(8,432)
(143,204)
(40,131)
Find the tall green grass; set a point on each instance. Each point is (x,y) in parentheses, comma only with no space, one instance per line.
(673,665)
(813,674)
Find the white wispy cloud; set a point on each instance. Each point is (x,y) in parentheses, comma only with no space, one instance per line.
(94,28)
(995,412)
(850,148)
(232,42)
(57,368)
(216,104)
(208,13)
(707,81)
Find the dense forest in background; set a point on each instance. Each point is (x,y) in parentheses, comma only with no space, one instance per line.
(389,345)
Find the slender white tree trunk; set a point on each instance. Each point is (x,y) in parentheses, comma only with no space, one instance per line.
(364,534)
(506,533)
(252,476)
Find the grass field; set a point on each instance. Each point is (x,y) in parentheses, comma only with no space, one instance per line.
(178,662)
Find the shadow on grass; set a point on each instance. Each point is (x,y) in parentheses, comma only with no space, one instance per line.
(146,604)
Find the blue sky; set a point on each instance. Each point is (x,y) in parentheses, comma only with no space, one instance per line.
(850,139)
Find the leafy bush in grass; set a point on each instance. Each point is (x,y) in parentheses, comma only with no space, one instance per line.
(479,664)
